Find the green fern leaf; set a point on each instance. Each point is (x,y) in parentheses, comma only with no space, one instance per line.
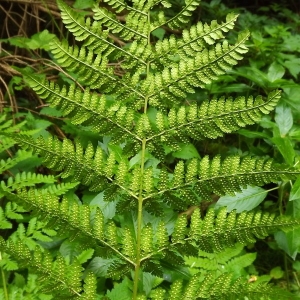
(85,107)
(194,39)
(172,84)
(240,228)
(64,156)
(109,20)
(183,17)
(25,179)
(214,118)
(94,71)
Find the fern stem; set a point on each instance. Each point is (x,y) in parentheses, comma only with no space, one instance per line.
(139,226)
(4,281)
(141,199)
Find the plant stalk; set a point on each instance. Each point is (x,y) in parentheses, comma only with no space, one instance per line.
(139,226)
(4,281)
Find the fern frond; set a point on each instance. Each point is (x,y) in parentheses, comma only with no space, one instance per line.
(194,39)
(235,173)
(11,162)
(213,118)
(73,219)
(184,16)
(221,230)
(225,288)
(198,36)
(233,262)
(173,84)
(132,27)
(86,108)
(91,32)
(6,143)
(68,158)
(225,177)
(98,42)
(25,179)
(61,278)
(59,189)
(93,71)
(120,5)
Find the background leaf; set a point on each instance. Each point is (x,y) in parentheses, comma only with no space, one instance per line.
(295,191)
(247,199)
(284,119)
(187,151)
(276,71)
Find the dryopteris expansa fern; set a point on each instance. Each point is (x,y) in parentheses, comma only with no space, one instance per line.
(134,94)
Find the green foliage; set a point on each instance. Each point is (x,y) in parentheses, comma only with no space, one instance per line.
(112,208)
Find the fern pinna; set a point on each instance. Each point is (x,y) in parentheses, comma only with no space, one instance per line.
(131,90)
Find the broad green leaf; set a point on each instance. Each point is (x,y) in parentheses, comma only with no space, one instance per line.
(289,242)
(85,255)
(229,88)
(137,158)
(276,71)
(252,74)
(291,96)
(173,272)
(19,280)
(295,191)
(150,282)
(99,266)
(291,42)
(284,119)
(266,122)
(121,291)
(294,133)
(159,33)
(117,150)
(108,208)
(286,148)
(70,249)
(187,151)
(293,65)
(20,42)
(247,199)
(40,40)
(296,265)
(51,111)
(252,134)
